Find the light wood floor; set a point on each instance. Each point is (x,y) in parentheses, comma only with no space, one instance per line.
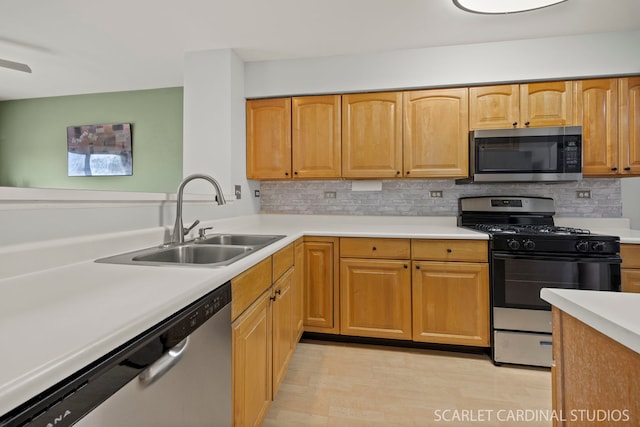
(352,385)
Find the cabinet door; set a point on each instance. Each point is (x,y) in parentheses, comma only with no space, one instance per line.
(494,107)
(298,290)
(630,280)
(630,125)
(321,299)
(436,133)
(252,359)
(451,303)
(597,113)
(283,341)
(372,135)
(316,137)
(375,298)
(269,138)
(546,104)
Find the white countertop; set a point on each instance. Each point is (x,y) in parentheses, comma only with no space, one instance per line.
(615,314)
(72,310)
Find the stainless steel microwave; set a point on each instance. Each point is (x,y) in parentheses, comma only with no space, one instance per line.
(548,154)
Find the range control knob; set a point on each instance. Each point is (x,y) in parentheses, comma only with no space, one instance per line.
(597,246)
(513,244)
(582,246)
(529,244)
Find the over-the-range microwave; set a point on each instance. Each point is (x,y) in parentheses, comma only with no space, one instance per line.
(549,154)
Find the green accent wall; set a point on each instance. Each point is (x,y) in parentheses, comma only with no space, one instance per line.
(33,145)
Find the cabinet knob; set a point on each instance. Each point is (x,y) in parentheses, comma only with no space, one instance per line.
(614,169)
(417,267)
(449,250)
(295,173)
(406,266)
(286,174)
(408,172)
(374,248)
(397,172)
(514,124)
(527,124)
(627,168)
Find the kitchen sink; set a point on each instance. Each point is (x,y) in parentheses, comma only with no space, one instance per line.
(216,250)
(238,239)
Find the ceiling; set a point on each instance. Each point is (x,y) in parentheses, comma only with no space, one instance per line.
(88,46)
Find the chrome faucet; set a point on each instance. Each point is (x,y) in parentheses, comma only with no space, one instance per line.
(178,230)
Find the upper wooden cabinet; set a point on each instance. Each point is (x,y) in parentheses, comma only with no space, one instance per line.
(524,105)
(629,125)
(436,133)
(316,137)
(372,135)
(609,111)
(269,138)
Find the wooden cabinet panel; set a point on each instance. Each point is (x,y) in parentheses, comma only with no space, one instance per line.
(451,303)
(249,285)
(494,107)
(629,124)
(630,255)
(283,327)
(321,297)
(546,104)
(365,247)
(252,363)
(436,133)
(317,137)
(593,374)
(597,113)
(372,135)
(630,278)
(298,289)
(375,298)
(269,138)
(450,250)
(282,261)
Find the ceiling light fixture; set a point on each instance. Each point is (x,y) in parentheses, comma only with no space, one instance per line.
(492,7)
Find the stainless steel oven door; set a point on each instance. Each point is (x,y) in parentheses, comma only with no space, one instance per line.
(518,278)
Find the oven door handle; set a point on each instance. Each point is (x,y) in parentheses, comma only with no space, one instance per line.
(612,259)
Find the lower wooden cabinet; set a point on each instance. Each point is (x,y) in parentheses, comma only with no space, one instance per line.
(630,277)
(451,303)
(321,296)
(297,293)
(252,363)
(284,335)
(375,298)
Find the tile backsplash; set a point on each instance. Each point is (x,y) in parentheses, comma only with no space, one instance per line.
(413,197)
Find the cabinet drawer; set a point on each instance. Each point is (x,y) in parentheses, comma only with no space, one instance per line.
(247,286)
(282,261)
(450,250)
(630,255)
(356,247)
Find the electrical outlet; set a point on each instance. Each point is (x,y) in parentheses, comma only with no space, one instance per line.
(238,191)
(256,193)
(583,194)
(437,193)
(329,194)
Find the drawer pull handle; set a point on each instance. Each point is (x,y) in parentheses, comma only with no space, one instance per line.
(449,250)
(546,343)
(278,291)
(272,297)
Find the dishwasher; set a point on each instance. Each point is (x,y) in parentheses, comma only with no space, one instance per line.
(177,373)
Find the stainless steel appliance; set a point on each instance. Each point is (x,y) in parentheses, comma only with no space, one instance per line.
(177,373)
(528,253)
(525,155)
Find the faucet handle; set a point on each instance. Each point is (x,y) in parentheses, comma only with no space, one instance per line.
(186,230)
(202,232)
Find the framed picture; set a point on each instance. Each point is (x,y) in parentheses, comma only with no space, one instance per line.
(99,150)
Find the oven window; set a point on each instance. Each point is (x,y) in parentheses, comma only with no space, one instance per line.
(529,154)
(517,281)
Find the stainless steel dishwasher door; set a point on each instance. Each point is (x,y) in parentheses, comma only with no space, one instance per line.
(195,392)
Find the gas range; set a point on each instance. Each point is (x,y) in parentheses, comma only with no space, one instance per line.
(525,224)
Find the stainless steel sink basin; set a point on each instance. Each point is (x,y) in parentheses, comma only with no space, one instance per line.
(212,251)
(238,239)
(196,254)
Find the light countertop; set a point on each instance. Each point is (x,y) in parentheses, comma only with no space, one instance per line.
(64,316)
(615,314)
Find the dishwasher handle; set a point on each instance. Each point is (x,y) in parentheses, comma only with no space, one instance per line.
(164,363)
